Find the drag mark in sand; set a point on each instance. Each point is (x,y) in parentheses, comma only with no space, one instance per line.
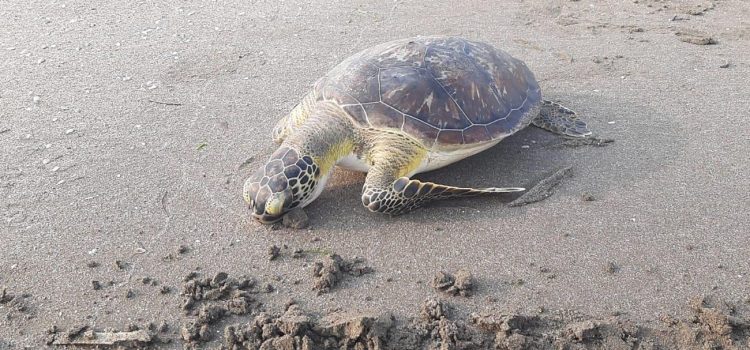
(543,189)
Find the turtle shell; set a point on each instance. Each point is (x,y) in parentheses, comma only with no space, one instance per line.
(443,91)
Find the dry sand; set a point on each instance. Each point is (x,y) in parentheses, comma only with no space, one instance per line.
(127,130)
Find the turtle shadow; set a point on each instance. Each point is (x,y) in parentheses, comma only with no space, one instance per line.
(523,160)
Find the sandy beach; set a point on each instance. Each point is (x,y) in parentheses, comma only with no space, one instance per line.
(128,128)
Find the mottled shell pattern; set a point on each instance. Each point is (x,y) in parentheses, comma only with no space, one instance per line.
(446,92)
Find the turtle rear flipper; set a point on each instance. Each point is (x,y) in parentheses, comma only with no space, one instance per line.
(561,120)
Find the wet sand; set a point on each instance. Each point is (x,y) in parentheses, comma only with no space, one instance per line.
(127,130)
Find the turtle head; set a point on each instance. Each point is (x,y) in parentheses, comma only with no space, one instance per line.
(287,181)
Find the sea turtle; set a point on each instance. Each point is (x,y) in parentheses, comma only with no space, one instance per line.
(398,109)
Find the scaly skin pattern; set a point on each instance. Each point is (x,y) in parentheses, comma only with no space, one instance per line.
(405,195)
(297,171)
(393,157)
(286,172)
(296,117)
(561,120)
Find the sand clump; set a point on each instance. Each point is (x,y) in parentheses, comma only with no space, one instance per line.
(332,269)
(295,329)
(238,305)
(15,305)
(461,283)
(209,300)
(714,325)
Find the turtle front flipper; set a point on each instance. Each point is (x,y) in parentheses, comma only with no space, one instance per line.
(388,189)
(559,119)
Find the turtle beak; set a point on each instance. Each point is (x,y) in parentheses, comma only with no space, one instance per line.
(266,219)
(275,207)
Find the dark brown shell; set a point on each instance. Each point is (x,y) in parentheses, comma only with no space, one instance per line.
(444,91)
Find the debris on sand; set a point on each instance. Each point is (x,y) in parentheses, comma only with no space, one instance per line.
(332,269)
(15,305)
(5,296)
(298,253)
(462,283)
(296,219)
(134,337)
(588,197)
(543,189)
(181,250)
(611,268)
(89,337)
(273,252)
(122,265)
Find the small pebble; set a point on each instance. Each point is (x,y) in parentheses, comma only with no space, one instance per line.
(96,285)
(182,249)
(273,252)
(121,264)
(298,253)
(611,268)
(296,219)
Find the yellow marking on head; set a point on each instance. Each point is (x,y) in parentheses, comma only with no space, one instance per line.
(333,155)
(275,204)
